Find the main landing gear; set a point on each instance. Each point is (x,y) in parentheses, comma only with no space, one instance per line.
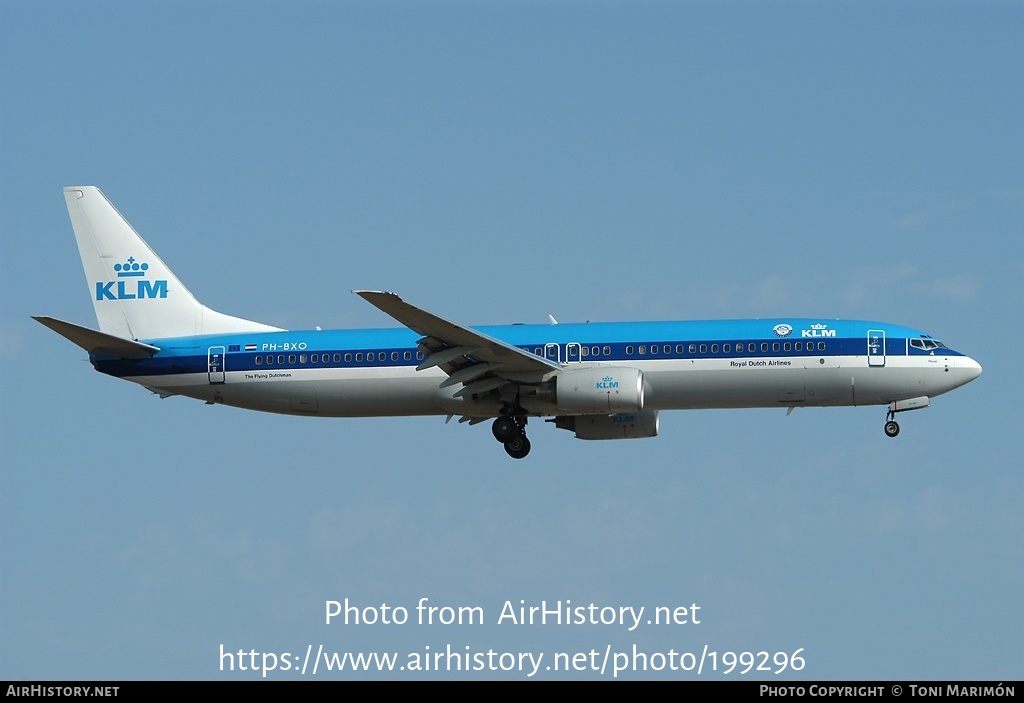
(892,428)
(510,430)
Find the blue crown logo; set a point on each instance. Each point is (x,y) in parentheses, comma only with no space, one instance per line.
(606,379)
(131,268)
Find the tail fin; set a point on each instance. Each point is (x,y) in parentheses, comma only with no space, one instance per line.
(135,294)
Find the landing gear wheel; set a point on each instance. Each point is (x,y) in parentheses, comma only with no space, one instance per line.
(504,429)
(518,447)
(892,428)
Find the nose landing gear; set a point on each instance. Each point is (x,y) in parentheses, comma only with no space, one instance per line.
(892,428)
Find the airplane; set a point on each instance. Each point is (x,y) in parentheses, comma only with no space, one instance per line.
(601,381)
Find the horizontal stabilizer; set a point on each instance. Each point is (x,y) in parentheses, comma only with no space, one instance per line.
(98,343)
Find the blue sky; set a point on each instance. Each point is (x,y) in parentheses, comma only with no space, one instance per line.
(496,163)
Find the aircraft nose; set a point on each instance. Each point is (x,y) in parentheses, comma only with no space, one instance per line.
(966,370)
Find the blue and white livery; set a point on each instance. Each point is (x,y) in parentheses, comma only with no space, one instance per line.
(598,380)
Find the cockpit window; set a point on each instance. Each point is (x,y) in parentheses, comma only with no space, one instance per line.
(927,343)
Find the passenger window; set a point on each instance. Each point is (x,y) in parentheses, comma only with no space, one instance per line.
(799,346)
(821,346)
(259,360)
(359,356)
(714,348)
(629,350)
(291,358)
(607,351)
(407,356)
(703,348)
(302,358)
(280,358)
(348,358)
(419,356)
(776,346)
(680,349)
(764,346)
(751,347)
(584,351)
(642,349)
(315,359)
(337,357)
(786,346)
(654,348)
(394,356)
(726,348)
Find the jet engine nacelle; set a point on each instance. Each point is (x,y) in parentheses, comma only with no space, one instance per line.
(635,425)
(599,389)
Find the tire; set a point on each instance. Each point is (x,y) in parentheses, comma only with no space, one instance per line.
(518,447)
(504,429)
(892,428)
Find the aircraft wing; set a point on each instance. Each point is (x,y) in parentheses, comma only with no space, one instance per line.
(469,357)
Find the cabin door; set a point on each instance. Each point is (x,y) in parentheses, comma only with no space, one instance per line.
(215,364)
(876,347)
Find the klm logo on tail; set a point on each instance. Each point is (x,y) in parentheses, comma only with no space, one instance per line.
(123,290)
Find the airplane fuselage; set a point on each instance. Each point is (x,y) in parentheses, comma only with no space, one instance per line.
(685,365)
